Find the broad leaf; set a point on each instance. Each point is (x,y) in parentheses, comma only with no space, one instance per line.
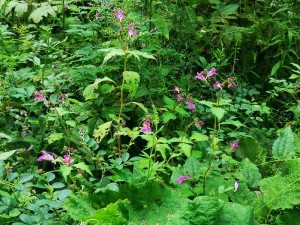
(6,155)
(83,167)
(132,81)
(102,131)
(218,112)
(284,146)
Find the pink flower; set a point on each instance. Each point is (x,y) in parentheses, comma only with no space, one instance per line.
(120,15)
(146,127)
(45,157)
(199,122)
(176,89)
(180,97)
(232,84)
(235,145)
(182,178)
(212,72)
(38,96)
(67,160)
(200,76)
(217,85)
(132,31)
(191,104)
(236,186)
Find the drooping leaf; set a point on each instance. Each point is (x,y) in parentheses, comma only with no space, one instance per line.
(112,52)
(192,166)
(2,135)
(218,112)
(6,155)
(251,173)
(196,136)
(161,24)
(166,116)
(229,9)
(102,131)
(84,167)
(137,54)
(65,171)
(55,137)
(89,91)
(284,146)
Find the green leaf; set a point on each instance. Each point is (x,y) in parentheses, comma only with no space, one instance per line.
(218,112)
(236,214)
(132,81)
(25,178)
(21,8)
(192,166)
(229,9)
(63,194)
(141,106)
(83,167)
(284,146)
(102,131)
(2,169)
(280,192)
(162,148)
(161,24)
(288,217)
(89,91)
(169,103)
(57,185)
(166,116)
(196,136)
(44,10)
(250,173)
(275,68)
(115,213)
(6,155)
(65,171)
(251,149)
(55,137)
(112,52)
(234,123)
(186,149)
(2,135)
(137,54)
(78,207)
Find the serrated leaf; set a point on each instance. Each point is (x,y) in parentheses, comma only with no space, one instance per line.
(131,82)
(89,91)
(161,24)
(6,155)
(218,112)
(44,10)
(21,8)
(2,135)
(192,166)
(112,52)
(275,68)
(167,116)
(141,106)
(25,178)
(55,137)
(83,167)
(137,54)
(234,123)
(62,194)
(186,149)
(284,145)
(65,171)
(102,131)
(250,173)
(279,192)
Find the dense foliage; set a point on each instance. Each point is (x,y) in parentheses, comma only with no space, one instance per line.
(149,112)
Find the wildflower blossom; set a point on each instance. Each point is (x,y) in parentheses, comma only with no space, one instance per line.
(146,127)
(235,145)
(182,178)
(191,104)
(180,97)
(38,96)
(232,84)
(212,72)
(236,186)
(199,122)
(217,85)
(132,31)
(67,160)
(120,15)
(45,157)
(176,89)
(200,76)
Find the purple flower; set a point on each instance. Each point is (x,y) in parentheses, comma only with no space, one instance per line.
(146,127)
(236,186)
(182,178)
(190,104)
(180,97)
(217,85)
(67,160)
(199,123)
(132,31)
(212,72)
(232,84)
(176,89)
(38,96)
(45,157)
(120,15)
(235,145)
(200,76)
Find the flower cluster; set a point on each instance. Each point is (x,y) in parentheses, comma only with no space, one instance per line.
(234,145)
(121,16)
(46,156)
(205,75)
(180,97)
